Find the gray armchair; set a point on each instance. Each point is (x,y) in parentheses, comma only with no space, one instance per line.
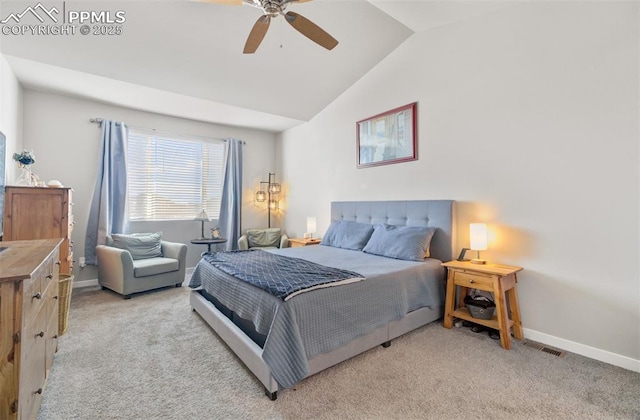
(120,272)
(269,238)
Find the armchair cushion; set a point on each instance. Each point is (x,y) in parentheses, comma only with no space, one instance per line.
(140,245)
(152,266)
(264,237)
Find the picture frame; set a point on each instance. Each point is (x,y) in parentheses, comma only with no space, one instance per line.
(215,233)
(389,137)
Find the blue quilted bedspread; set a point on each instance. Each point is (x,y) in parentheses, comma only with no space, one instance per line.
(279,275)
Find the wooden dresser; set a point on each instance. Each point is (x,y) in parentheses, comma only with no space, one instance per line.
(28,323)
(40,213)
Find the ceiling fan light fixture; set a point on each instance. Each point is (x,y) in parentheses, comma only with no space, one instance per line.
(273,8)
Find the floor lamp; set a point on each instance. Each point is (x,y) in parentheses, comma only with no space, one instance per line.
(269,194)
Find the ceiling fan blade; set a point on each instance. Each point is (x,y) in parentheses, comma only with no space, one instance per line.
(257,34)
(311,30)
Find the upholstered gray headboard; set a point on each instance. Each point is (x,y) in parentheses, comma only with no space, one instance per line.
(434,213)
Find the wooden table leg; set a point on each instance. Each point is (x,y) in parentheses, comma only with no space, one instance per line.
(503,316)
(463,292)
(451,296)
(512,295)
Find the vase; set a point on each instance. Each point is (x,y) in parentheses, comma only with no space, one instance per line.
(26,178)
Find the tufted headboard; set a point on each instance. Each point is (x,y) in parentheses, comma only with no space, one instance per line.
(428,213)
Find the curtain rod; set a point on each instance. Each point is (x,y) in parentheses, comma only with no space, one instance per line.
(99,120)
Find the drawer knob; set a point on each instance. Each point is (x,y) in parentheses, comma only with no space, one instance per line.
(55,298)
(40,334)
(55,336)
(57,262)
(39,391)
(471,281)
(50,276)
(37,296)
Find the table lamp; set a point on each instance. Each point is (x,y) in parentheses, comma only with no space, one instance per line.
(311,227)
(478,240)
(202,217)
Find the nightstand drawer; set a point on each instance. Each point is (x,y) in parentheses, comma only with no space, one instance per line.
(476,281)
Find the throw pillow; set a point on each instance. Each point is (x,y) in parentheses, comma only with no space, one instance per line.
(139,245)
(264,237)
(347,235)
(401,242)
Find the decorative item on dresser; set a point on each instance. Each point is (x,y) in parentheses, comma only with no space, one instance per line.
(28,323)
(40,213)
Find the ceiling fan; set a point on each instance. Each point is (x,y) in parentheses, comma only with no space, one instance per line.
(273,8)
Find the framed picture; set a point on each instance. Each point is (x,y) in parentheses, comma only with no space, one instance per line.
(387,138)
(215,233)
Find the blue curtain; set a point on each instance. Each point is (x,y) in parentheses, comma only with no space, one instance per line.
(231,205)
(108,213)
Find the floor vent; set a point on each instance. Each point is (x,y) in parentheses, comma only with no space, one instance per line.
(544,348)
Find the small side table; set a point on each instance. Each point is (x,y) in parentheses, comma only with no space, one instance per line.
(496,278)
(208,242)
(296,242)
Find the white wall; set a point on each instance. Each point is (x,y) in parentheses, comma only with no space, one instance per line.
(66,146)
(10,115)
(528,118)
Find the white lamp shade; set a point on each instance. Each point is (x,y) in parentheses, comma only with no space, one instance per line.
(311,225)
(478,236)
(202,216)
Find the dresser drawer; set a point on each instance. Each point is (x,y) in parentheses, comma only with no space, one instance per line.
(32,298)
(48,276)
(32,367)
(51,339)
(474,281)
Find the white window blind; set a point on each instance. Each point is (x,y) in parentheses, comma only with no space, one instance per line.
(173,177)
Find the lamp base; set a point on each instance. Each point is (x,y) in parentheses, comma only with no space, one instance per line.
(478,261)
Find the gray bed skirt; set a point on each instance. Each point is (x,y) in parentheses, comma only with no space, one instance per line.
(251,354)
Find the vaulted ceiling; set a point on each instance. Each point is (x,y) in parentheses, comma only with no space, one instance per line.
(185,58)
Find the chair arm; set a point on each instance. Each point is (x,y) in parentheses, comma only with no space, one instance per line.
(174,250)
(243,242)
(284,241)
(114,265)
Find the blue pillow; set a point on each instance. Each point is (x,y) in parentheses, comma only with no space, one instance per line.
(401,242)
(140,245)
(347,235)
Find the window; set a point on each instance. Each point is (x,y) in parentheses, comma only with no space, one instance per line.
(172,176)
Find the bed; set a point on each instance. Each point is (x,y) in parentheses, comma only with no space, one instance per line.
(284,340)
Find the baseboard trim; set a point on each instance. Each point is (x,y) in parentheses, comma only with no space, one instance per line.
(85,283)
(584,350)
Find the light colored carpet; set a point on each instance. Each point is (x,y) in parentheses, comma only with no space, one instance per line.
(151,357)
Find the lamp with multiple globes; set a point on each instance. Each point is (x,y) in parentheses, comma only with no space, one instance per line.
(268,192)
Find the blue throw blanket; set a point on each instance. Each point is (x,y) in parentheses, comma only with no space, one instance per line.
(283,277)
